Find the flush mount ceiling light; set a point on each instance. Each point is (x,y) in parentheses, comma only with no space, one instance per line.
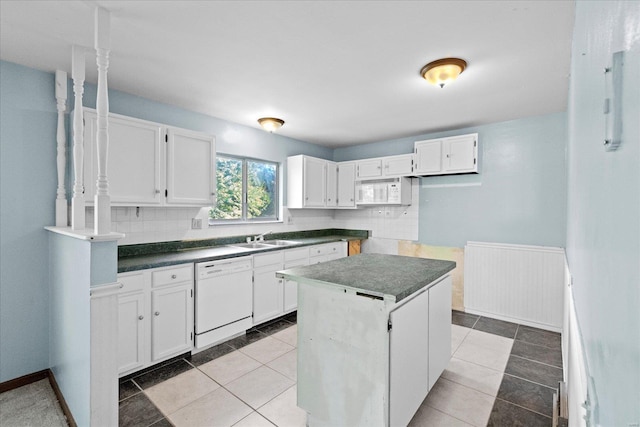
(270,124)
(443,71)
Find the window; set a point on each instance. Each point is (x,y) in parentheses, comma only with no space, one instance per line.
(247,190)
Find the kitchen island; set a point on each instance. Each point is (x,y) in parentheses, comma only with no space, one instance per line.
(374,335)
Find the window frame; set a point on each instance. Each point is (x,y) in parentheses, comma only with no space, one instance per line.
(245,194)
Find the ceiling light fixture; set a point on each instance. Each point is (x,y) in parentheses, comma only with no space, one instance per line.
(270,124)
(443,71)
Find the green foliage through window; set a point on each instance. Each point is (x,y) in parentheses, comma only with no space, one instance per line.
(249,180)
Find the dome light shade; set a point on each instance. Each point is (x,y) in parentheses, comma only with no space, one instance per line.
(270,124)
(443,71)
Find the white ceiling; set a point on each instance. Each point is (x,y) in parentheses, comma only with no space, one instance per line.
(338,72)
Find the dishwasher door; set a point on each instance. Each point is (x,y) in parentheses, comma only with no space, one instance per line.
(223,292)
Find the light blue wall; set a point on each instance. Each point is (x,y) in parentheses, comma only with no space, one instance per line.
(69,353)
(27,193)
(519,196)
(603,217)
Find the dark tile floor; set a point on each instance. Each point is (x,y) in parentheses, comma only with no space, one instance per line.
(525,397)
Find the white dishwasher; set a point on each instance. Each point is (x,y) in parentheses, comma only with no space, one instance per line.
(224,299)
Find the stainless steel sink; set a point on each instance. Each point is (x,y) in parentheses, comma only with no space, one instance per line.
(253,245)
(281,242)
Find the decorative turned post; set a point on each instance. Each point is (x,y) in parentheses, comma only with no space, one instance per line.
(77,201)
(102,220)
(61,194)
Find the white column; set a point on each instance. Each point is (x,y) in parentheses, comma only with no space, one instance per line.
(61,196)
(102,220)
(77,201)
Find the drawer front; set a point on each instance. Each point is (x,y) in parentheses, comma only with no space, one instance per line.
(269,258)
(293,254)
(172,275)
(326,249)
(131,281)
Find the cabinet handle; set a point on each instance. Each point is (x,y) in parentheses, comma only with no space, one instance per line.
(173,276)
(306,198)
(157,313)
(213,194)
(157,191)
(329,200)
(141,317)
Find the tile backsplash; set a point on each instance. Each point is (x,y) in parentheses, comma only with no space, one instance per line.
(156,224)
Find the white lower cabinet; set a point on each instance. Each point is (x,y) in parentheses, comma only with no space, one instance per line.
(419,349)
(155,316)
(293,258)
(327,252)
(172,321)
(131,331)
(267,289)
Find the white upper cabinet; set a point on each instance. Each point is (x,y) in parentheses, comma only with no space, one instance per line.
(369,169)
(384,167)
(332,185)
(314,181)
(151,164)
(460,154)
(307,182)
(452,155)
(191,178)
(397,166)
(346,184)
(135,165)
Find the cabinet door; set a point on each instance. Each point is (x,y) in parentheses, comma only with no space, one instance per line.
(172,321)
(134,164)
(332,184)
(346,184)
(439,329)
(191,168)
(314,182)
(291,287)
(460,154)
(408,364)
(395,166)
(371,168)
(267,294)
(131,332)
(428,157)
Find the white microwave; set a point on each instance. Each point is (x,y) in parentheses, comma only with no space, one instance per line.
(395,191)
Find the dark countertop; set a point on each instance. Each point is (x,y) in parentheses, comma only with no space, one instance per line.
(374,274)
(210,253)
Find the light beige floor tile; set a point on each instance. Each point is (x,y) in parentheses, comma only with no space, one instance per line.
(176,392)
(266,349)
(458,334)
(460,402)
(426,416)
(289,335)
(286,364)
(259,386)
(474,376)
(229,367)
(253,420)
(216,409)
(491,351)
(283,410)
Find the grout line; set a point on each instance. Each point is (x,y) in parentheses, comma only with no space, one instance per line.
(449,415)
(532,382)
(536,361)
(520,406)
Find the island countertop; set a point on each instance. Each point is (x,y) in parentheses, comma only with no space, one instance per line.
(382,276)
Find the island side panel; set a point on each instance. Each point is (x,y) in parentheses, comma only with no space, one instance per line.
(343,353)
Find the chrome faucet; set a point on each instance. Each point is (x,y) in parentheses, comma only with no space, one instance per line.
(260,237)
